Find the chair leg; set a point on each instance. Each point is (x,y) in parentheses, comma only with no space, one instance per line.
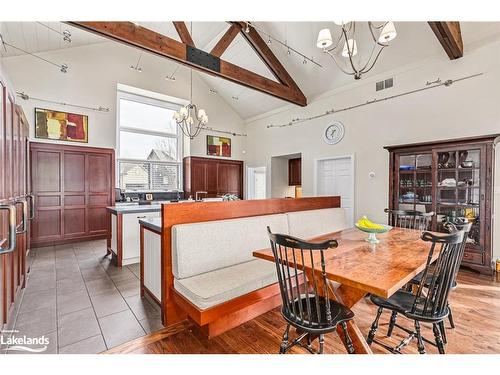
(284,342)
(450,317)
(321,344)
(420,342)
(374,327)
(348,341)
(443,332)
(439,339)
(392,323)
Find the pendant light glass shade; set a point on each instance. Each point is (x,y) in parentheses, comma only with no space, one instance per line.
(353,47)
(324,39)
(388,33)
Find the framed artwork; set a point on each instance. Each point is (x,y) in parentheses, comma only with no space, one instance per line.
(61,126)
(218,146)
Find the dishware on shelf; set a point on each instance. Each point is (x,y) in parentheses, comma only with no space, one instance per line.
(467,164)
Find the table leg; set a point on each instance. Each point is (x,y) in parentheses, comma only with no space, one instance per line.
(348,296)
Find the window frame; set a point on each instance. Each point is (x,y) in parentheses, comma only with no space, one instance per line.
(124,95)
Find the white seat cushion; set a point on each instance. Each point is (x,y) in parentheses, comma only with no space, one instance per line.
(204,247)
(308,224)
(212,288)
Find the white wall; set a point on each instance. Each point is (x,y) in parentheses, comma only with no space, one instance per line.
(279,179)
(94,72)
(466,108)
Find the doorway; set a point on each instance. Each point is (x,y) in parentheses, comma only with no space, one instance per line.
(256,182)
(335,176)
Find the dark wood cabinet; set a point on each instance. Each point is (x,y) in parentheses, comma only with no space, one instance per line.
(14,190)
(215,176)
(454,179)
(72,187)
(295,172)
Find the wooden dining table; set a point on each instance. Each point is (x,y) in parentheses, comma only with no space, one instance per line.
(358,267)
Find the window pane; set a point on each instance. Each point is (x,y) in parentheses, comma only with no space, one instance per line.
(147,147)
(134,176)
(146,117)
(165,177)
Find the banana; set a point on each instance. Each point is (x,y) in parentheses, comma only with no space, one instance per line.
(364,222)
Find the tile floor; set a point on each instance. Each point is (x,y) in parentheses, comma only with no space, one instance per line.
(82,302)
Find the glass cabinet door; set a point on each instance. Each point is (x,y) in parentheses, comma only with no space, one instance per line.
(415,182)
(458,190)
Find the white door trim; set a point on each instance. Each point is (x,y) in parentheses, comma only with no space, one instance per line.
(315,179)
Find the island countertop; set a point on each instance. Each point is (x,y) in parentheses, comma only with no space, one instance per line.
(134,209)
(153,223)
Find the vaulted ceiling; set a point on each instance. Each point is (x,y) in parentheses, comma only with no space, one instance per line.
(415,42)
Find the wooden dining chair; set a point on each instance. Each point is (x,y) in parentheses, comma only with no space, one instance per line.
(430,303)
(451,227)
(410,219)
(307,304)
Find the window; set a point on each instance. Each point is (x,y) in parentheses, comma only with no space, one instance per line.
(149,144)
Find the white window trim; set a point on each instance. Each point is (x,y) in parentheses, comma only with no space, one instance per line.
(173,104)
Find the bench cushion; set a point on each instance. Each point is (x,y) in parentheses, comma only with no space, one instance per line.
(198,248)
(308,224)
(212,288)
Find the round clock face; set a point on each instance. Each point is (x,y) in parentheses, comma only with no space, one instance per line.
(334,133)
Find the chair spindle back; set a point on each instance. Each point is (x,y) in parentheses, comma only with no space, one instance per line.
(304,302)
(431,299)
(410,219)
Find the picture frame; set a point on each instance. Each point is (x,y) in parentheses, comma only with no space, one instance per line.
(61,126)
(218,146)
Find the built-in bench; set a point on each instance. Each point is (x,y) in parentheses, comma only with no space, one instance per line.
(214,279)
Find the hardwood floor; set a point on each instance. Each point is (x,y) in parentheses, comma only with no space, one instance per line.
(476,310)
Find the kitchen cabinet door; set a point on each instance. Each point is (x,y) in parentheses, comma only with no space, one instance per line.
(295,172)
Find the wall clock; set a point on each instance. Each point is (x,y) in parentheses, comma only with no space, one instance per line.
(334,133)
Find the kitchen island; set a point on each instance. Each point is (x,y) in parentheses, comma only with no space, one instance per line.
(124,239)
(150,257)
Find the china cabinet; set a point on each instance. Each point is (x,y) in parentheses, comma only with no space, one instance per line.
(453,179)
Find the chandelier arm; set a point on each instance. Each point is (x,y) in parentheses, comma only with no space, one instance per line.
(373,35)
(349,52)
(374,61)
(369,58)
(336,44)
(338,65)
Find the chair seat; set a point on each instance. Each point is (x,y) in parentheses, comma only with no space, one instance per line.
(402,302)
(417,279)
(317,322)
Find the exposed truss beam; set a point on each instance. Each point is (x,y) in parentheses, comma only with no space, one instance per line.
(450,37)
(226,40)
(267,56)
(151,41)
(183,32)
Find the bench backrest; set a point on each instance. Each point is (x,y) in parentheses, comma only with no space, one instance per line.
(308,224)
(203,247)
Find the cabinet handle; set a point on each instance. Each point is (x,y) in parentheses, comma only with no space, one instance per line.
(31,197)
(12,228)
(24,221)
(141,217)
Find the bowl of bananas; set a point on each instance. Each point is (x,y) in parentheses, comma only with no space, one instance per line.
(368,226)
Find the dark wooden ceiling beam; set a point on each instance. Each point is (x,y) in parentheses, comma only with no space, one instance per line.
(450,37)
(226,40)
(183,32)
(161,45)
(267,56)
